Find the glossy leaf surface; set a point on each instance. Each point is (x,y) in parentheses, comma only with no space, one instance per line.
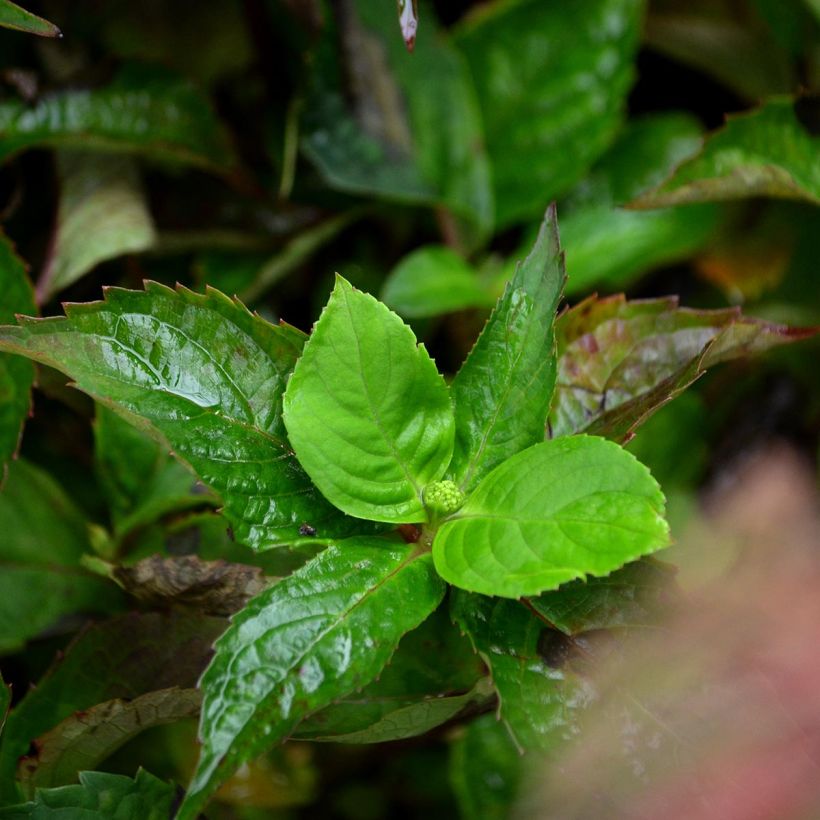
(311,639)
(204,375)
(15,17)
(502,392)
(100,796)
(539,700)
(16,374)
(548,76)
(768,152)
(557,511)
(367,412)
(619,360)
(142,111)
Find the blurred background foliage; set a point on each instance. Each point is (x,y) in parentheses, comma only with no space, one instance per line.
(259,146)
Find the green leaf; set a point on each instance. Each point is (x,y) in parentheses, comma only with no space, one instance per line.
(548,76)
(814,5)
(632,596)
(503,391)
(557,511)
(315,637)
(485,770)
(12,16)
(204,375)
(124,657)
(85,739)
(367,412)
(619,361)
(144,110)
(102,215)
(16,375)
(40,575)
(768,152)
(5,701)
(433,280)
(538,700)
(609,245)
(100,796)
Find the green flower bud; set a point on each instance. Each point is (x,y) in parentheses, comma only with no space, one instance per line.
(443,497)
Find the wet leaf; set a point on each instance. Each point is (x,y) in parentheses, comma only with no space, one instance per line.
(214,587)
(364,385)
(102,215)
(100,796)
(144,110)
(86,738)
(311,639)
(503,390)
(12,16)
(767,152)
(548,76)
(619,361)
(563,509)
(16,374)
(204,375)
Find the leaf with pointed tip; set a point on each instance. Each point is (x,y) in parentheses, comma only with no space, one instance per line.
(548,75)
(16,375)
(100,796)
(555,512)
(619,360)
(12,16)
(102,215)
(768,152)
(144,110)
(204,375)
(537,701)
(311,639)
(83,740)
(502,393)
(367,412)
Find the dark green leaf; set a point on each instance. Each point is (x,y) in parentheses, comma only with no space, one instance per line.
(100,796)
(311,639)
(103,215)
(767,152)
(364,387)
(142,111)
(125,657)
(618,361)
(16,375)
(503,391)
(549,76)
(12,16)
(557,511)
(538,700)
(5,701)
(204,375)
(86,738)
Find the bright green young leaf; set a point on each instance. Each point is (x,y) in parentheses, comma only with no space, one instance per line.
(503,391)
(632,596)
(552,79)
(538,698)
(367,412)
(12,16)
(85,739)
(100,796)
(204,375)
(16,374)
(557,511)
(311,639)
(40,575)
(124,657)
(102,215)
(144,110)
(485,770)
(768,152)
(619,361)
(433,280)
